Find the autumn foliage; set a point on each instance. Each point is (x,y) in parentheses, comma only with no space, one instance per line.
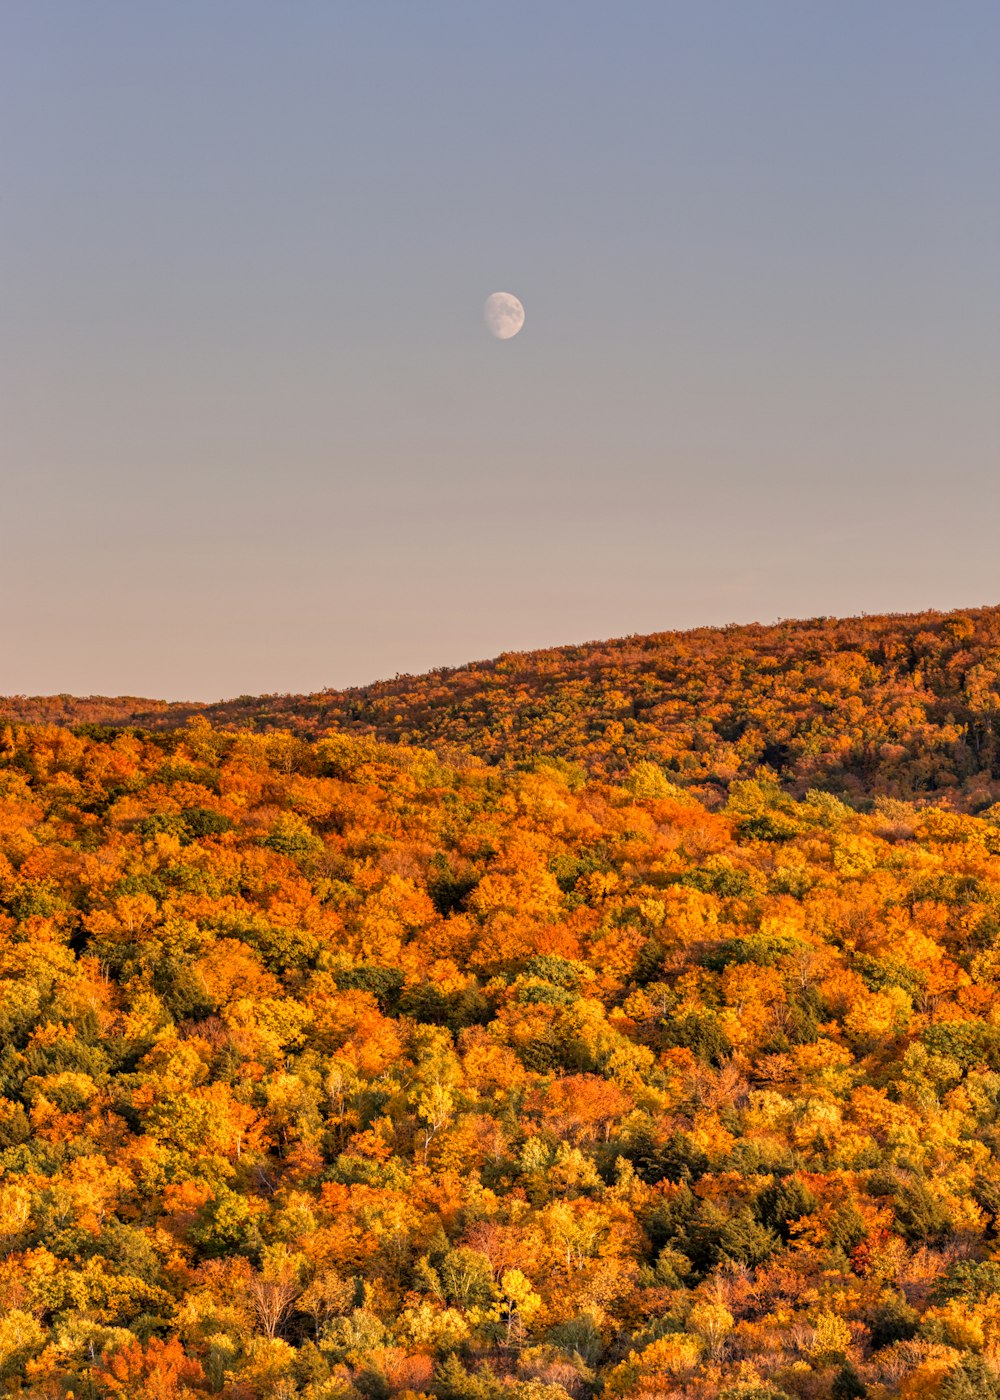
(333,1070)
(902,706)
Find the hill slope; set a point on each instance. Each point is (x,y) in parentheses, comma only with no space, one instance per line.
(898,705)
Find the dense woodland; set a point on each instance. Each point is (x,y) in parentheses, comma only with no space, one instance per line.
(903,706)
(334,1070)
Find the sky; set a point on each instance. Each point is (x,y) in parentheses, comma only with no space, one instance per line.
(255,437)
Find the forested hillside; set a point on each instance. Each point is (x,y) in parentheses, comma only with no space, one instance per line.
(331,1070)
(899,706)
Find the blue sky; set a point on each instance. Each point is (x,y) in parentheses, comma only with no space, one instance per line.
(255,437)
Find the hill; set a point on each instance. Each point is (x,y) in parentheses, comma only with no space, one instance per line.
(331,1071)
(903,706)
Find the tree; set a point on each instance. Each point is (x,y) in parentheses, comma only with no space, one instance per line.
(160,1370)
(276,1286)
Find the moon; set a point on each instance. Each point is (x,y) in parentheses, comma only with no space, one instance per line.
(503,314)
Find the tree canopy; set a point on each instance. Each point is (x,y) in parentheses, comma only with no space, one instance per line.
(899,706)
(330,1069)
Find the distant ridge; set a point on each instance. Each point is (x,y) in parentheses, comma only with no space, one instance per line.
(898,705)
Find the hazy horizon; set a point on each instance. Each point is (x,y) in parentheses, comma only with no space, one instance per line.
(255,437)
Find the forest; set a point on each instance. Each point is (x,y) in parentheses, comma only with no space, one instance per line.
(346,1070)
(899,706)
